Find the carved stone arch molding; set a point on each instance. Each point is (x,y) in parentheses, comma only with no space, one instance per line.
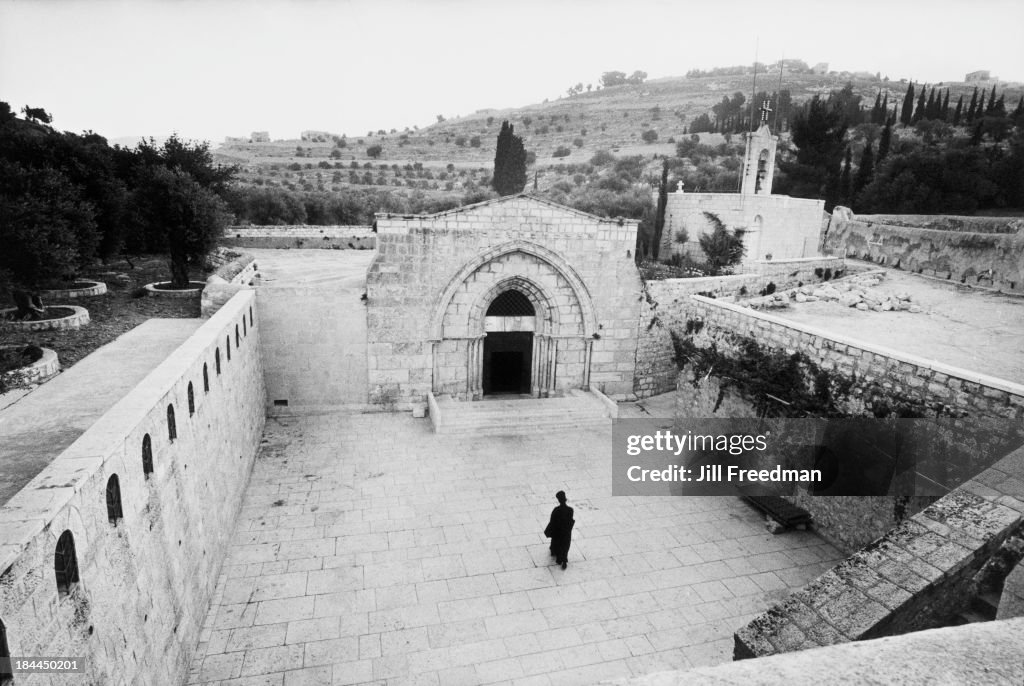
(546,312)
(564,320)
(560,265)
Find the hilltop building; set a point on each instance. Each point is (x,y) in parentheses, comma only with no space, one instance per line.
(980,75)
(260,137)
(774,226)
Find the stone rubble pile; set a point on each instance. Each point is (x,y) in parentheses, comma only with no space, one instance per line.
(857,291)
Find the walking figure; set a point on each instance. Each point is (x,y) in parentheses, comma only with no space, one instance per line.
(559,530)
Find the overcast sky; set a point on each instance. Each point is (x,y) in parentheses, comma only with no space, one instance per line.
(225,68)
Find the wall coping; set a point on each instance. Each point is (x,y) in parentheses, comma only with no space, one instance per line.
(935,365)
(29,512)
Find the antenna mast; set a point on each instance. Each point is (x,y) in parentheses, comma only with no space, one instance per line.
(778,96)
(753,90)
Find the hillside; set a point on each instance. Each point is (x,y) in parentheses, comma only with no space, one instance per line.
(454,157)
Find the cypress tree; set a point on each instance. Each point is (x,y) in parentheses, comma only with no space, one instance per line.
(980,112)
(509,162)
(944,114)
(883,115)
(864,172)
(999,109)
(991,100)
(929,109)
(659,217)
(876,111)
(976,137)
(907,112)
(1019,112)
(959,110)
(973,109)
(845,179)
(884,142)
(919,111)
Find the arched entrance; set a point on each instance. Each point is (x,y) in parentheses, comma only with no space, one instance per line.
(509,324)
(516,319)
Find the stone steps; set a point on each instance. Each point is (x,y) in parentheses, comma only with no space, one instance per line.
(519,415)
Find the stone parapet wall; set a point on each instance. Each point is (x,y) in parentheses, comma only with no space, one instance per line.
(666,308)
(915,577)
(948,222)
(979,653)
(144,581)
(301,236)
(979,258)
(927,381)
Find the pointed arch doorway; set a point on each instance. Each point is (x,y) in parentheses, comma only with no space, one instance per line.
(509,323)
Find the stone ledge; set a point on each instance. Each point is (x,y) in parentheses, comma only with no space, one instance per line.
(934,365)
(915,577)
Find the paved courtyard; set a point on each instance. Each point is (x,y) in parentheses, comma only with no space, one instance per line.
(370,550)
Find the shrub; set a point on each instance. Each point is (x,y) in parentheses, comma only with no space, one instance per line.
(649,136)
(374,151)
(562,151)
(722,247)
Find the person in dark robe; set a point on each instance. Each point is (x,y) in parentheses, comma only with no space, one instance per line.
(559,530)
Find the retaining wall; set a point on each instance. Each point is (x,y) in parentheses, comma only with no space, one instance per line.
(974,253)
(234,272)
(666,308)
(144,581)
(927,381)
(301,236)
(915,577)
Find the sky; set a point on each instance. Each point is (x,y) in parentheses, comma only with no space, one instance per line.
(220,68)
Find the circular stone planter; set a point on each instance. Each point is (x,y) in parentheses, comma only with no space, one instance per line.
(152,290)
(83,289)
(78,318)
(42,369)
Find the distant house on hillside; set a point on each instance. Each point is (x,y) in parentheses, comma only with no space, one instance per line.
(260,137)
(980,75)
(820,68)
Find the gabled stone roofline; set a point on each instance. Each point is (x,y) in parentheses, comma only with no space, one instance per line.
(619,221)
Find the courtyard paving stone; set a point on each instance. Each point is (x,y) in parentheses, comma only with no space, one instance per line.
(371,551)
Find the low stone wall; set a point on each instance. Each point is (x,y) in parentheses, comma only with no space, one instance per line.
(915,577)
(974,253)
(301,236)
(979,653)
(134,607)
(932,383)
(666,307)
(235,271)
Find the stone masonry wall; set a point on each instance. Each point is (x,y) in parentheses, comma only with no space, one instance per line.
(665,308)
(788,227)
(974,257)
(144,584)
(924,380)
(300,236)
(915,577)
(847,522)
(420,257)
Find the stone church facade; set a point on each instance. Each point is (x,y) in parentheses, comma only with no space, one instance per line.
(515,295)
(774,226)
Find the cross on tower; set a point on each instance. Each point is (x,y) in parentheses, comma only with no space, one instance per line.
(765,109)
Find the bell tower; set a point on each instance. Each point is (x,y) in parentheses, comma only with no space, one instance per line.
(759,160)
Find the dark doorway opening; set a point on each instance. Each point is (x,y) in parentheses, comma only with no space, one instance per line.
(507,360)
